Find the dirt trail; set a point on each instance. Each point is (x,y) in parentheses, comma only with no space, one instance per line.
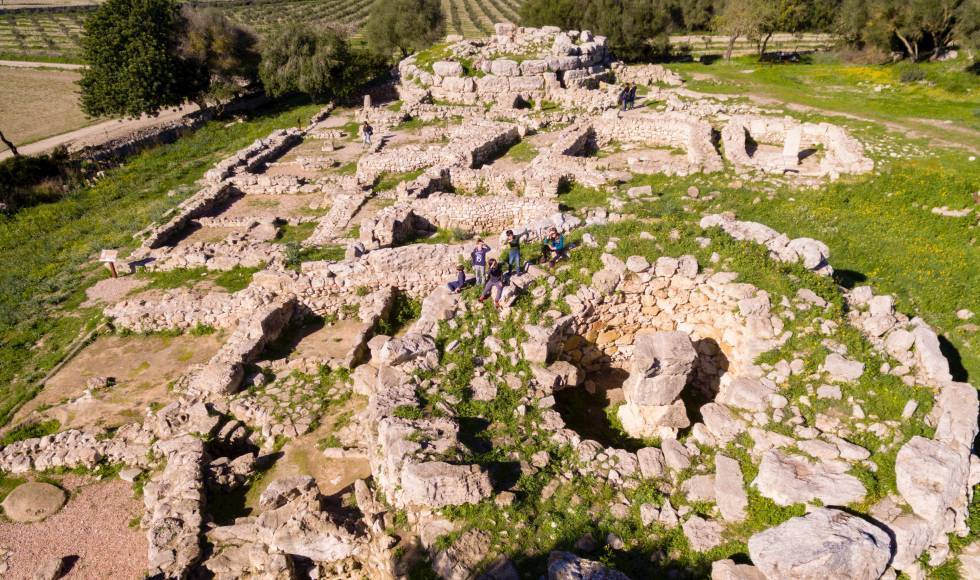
(100,133)
(33,64)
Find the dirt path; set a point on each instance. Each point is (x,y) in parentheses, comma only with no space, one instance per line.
(32,64)
(101,132)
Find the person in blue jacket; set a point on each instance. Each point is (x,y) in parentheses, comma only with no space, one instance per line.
(555,248)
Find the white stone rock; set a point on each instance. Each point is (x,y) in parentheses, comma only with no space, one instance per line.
(825,543)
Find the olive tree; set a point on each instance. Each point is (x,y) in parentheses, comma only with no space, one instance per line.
(404,26)
(133,63)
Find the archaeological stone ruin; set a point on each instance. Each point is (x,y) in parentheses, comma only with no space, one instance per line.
(649,384)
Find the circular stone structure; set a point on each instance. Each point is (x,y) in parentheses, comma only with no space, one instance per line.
(33,501)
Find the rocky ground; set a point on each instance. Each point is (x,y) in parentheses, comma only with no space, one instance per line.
(686,395)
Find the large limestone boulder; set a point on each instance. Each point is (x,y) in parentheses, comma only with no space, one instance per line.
(448,68)
(458,561)
(33,501)
(729,489)
(654,420)
(788,479)
(411,347)
(825,543)
(436,484)
(566,566)
(933,478)
(661,365)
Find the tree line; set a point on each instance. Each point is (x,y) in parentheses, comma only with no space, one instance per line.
(639,29)
(147,55)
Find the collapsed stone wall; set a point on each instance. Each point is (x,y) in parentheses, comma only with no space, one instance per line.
(174,502)
(343,208)
(223,374)
(75,448)
(198,205)
(646,74)
(841,153)
(812,254)
(183,309)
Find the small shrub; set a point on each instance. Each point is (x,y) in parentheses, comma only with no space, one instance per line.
(912,74)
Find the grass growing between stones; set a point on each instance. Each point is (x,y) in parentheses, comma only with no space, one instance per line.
(46,251)
(238,278)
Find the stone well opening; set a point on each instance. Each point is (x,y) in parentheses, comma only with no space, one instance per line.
(654,343)
(611,370)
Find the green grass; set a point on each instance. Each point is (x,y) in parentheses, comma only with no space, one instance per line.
(522,152)
(295,234)
(296,254)
(238,278)
(950,93)
(47,251)
(403,311)
(31,430)
(880,231)
(389,181)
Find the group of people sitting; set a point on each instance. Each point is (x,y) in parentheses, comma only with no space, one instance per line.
(490,272)
(627,96)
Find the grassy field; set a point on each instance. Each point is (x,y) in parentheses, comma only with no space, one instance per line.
(880,227)
(47,252)
(38,103)
(945,105)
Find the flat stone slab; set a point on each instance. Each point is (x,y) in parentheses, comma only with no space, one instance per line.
(33,501)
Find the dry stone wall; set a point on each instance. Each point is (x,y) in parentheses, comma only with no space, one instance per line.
(552,60)
(841,153)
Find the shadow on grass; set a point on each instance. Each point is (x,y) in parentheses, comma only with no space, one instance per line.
(952,354)
(849,278)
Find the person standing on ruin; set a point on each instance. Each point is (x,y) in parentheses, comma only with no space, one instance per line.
(366,132)
(514,253)
(623,96)
(631,96)
(479,260)
(495,283)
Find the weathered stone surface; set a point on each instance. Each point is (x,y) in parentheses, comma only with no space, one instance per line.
(661,365)
(934,479)
(826,543)
(566,566)
(458,561)
(651,462)
(842,369)
(729,570)
(788,479)
(437,484)
(702,535)
(33,501)
(729,489)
